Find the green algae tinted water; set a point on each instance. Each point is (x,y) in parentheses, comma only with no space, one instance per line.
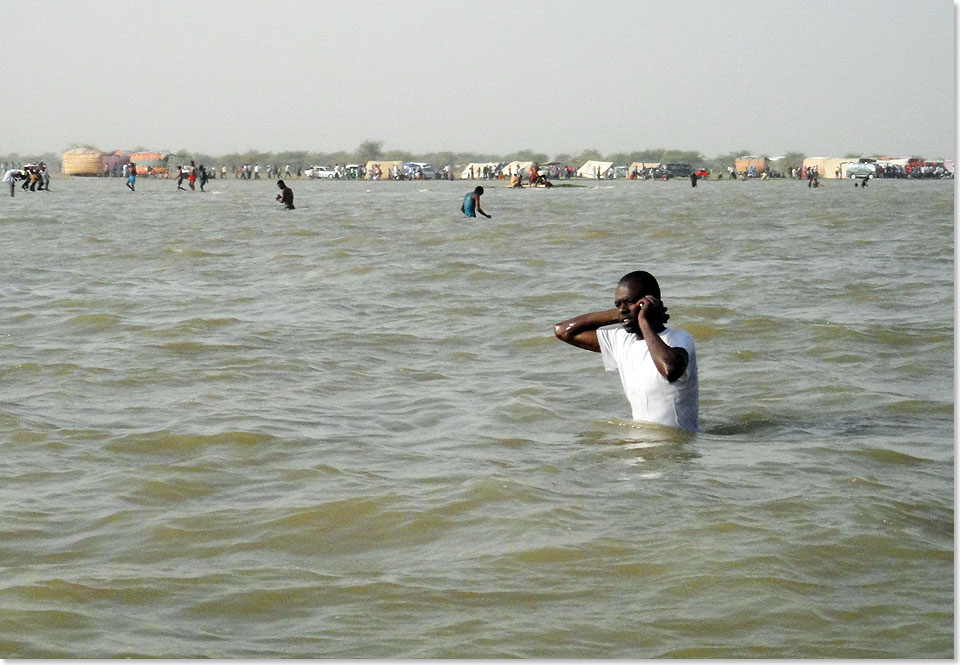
(230,430)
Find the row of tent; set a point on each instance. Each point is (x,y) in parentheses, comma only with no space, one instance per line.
(836,167)
(591,169)
(90,162)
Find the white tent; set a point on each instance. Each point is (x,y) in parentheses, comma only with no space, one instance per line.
(593,167)
(515,167)
(475,169)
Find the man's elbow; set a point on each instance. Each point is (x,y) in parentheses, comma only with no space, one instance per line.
(674,371)
(673,374)
(560,331)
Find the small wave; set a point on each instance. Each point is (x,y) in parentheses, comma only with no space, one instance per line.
(192,349)
(53,369)
(175,490)
(60,591)
(542,555)
(538,342)
(30,622)
(921,407)
(889,456)
(165,442)
(196,325)
(560,297)
(751,423)
(96,322)
(421,375)
(703,332)
(192,253)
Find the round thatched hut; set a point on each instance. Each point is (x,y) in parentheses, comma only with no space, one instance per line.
(82,161)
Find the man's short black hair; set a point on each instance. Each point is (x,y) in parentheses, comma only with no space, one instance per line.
(647,282)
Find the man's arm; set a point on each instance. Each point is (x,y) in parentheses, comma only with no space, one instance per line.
(582,330)
(476,201)
(671,361)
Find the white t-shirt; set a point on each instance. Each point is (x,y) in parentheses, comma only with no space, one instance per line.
(8,176)
(651,396)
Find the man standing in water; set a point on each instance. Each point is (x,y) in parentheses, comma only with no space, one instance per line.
(471,203)
(657,365)
(10,178)
(286,195)
(132,178)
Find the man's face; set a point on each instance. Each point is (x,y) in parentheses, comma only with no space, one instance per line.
(626,299)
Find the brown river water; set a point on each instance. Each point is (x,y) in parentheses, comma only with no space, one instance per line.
(234,431)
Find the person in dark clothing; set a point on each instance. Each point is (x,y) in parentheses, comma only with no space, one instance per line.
(286,195)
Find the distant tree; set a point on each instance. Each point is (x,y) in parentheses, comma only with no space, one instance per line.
(339,157)
(526,156)
(440,159)
(563,158)
(397,156)
(649,155)
(851,155)
(791,160)
(368,151)
(691,157)
(586,156)
(291,157)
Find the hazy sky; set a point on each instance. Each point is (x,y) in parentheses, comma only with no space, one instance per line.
(819,77)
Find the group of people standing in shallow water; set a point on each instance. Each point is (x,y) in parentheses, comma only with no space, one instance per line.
(35,177)
(191,174)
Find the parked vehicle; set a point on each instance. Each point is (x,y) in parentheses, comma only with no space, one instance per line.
(410,170)
(321,172)
(678,170)
(862,170)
